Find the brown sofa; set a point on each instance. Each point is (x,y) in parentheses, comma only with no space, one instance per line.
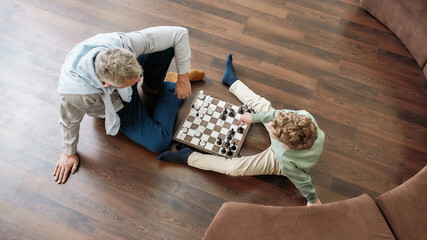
(407,19)
(398,214)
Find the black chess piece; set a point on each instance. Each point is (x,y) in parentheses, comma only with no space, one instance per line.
(232,132)
(248,110)
(232,113)
(229,153)
(223,151)
(241,110)
(227,144)
(225,111)
(233,147)
(223,117)
(240,129)
(180,146)
(197,114)
(192,106)
(219,141)
(229,137)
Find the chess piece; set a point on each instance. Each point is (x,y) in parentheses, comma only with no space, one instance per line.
(205,104)
(180,146)
(224,112)
(233,147)
(202,143)
(241,110)
(210,111)
(219,141)
(208,99)
(229,153)
(201,94)
(232,113)
(227,144)
(232,132)
(200,114)
(197,114)
(240,129)
(223,151)
(223,117)
(197,133)
(248,110)
(229,137)
(184,129)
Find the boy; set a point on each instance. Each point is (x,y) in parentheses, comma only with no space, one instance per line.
(296,142)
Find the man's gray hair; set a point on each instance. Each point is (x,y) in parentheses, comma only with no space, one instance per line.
(113,65)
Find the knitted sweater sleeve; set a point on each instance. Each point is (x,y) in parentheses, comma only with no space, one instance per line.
(302,181)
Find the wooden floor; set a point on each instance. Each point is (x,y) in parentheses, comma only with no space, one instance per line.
(329,57)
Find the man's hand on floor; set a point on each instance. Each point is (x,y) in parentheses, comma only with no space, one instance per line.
(66,164)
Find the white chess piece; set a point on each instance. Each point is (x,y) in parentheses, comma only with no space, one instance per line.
(197,106)
(205,104)
(197,120)
(201,115)
(201,128)
(197,133)
(208,99)
(210,111)
(201,94)
(184,129)
(202,143)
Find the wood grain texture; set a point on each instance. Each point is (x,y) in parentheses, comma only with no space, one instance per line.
(328,57)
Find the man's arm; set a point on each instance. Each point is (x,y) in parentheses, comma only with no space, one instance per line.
(161,38)
(157,39)
(72,110)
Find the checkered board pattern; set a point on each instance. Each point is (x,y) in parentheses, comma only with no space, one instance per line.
(210,126)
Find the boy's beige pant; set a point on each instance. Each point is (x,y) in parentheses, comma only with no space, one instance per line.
(264,163)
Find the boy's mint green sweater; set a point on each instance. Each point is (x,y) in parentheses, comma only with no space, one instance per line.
(295,164)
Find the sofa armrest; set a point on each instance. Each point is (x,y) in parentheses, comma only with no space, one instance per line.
(405,207)
(357,218)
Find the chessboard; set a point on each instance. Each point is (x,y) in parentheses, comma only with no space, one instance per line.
(212,126)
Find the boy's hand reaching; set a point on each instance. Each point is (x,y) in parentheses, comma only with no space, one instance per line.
(246,119)
(318,202)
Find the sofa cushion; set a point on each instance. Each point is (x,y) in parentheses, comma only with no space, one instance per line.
(407,20)
(405,208)
(357,218)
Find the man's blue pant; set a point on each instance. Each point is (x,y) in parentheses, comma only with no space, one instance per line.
(152,131)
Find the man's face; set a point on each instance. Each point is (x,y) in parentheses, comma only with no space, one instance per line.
(131,81)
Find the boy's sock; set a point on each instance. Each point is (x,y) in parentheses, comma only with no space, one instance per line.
(180,156)
(229,76)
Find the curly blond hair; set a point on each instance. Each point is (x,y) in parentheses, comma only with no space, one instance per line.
(295,131)
(113,65)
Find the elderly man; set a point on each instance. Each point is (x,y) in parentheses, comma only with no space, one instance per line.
(99,77)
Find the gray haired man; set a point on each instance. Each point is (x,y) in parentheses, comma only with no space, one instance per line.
(99,77)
